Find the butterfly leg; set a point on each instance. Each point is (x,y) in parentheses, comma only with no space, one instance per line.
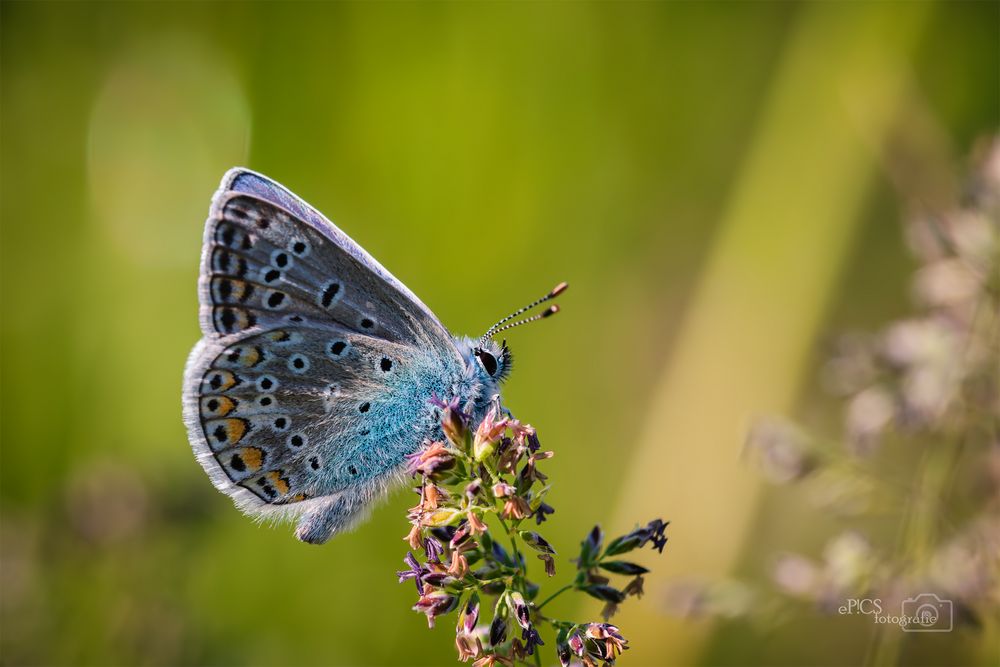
(499,407)
(335,515)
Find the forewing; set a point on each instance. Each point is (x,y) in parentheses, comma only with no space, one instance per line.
(261,235)
(263,267)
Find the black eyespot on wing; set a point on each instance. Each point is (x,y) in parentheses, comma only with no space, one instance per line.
(314,463)
(386,364)
(338,348)
(367,323)
(223,380)
(298,363)
(228,319)
(364,407)
(352,470)
(222,259)
(226,263)
(329,294)
(266,488)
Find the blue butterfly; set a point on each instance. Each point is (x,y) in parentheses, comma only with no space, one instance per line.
(313,380)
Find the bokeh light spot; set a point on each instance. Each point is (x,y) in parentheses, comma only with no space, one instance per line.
(170,118)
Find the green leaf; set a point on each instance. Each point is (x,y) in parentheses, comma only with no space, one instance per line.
(623,544)
(591,547)
(536,541)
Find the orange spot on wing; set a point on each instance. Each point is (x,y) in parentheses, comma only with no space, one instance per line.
(235,429)
(217,406)
(253,458)
(239,289)
(226,378)
(279,482)
(250,356)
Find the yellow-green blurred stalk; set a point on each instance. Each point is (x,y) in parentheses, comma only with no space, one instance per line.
(769,277)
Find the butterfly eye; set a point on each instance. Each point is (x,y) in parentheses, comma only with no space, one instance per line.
(488,362)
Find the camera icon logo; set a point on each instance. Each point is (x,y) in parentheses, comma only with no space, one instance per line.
(927,613)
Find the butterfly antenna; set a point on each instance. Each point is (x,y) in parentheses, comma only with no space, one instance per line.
(551,310)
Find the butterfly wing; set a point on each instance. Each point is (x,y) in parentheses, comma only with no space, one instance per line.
(258,233)
(310,385)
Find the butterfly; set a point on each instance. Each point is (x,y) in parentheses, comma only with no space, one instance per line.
(314,379)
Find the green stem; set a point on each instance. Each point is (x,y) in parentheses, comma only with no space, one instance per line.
(513,545)
(555,595)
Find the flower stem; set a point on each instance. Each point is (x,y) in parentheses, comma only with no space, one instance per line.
(555,595)
(513,544)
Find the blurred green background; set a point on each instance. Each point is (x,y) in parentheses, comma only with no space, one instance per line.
(721,184)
